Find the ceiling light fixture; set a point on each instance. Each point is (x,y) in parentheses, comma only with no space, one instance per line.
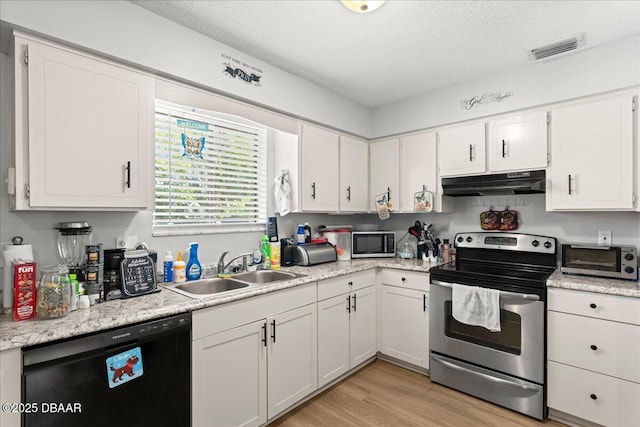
(363,6)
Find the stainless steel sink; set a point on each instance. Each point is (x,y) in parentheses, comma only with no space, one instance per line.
(266,276)
(205,287)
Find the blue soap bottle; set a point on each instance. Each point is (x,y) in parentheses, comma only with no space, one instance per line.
(194,269)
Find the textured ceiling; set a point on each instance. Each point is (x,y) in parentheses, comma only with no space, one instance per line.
(404,48)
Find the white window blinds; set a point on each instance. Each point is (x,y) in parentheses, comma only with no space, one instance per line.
(210,170)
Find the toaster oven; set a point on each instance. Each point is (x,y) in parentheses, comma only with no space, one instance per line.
(620,262)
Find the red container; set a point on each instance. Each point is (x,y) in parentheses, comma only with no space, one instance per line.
(24,291)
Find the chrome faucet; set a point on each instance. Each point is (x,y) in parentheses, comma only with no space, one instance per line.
(222,267)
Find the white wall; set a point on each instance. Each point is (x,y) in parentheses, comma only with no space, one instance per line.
(132,34)
(601,69)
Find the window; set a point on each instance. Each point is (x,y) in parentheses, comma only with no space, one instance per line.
(210,172)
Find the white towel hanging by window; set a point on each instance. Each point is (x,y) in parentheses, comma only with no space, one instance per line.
(282,192)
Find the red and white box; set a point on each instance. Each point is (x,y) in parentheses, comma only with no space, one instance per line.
(24,290)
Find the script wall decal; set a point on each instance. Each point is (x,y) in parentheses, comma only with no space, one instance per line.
(485,98)
(237,69)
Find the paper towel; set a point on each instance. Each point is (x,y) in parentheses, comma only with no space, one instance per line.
(13,253)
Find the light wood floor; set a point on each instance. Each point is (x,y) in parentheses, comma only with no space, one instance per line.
(383,394)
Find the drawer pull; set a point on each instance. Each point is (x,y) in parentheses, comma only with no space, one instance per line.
(404,279)
(592,305)
(594,347)
(594,397)
(350,283)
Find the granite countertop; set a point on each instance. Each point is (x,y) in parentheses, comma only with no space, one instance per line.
(626,288)
(122,312)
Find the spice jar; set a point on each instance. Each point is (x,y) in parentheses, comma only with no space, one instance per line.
(53,293)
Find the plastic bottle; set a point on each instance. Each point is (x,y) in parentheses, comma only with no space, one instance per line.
(266,253)
(307,233)
(168,267)
(179,269)
(445,251)
(274,255)
(194,269)
(300,234)
(75,291)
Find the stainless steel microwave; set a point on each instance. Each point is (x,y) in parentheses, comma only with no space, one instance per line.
(620,262)
(373,244)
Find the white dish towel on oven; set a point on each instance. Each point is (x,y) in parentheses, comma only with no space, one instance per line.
(473,305)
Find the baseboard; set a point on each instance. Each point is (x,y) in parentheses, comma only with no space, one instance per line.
(403,364)
(570,420)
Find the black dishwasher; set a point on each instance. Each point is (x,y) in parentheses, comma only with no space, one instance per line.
(138,375)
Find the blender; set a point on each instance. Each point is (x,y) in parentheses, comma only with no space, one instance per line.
(73,237)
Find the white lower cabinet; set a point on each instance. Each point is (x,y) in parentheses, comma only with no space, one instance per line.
(10,379)
(404,316)
(292,358)
(347,332)
(593,356)
(252,359)
(593,397)
(232,369)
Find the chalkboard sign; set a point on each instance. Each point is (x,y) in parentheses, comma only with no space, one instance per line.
(138,273)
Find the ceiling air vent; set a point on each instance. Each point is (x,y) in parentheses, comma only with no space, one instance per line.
(563,46)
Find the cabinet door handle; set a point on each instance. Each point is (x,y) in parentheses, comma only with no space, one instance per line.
(471,152)
(424,302)
(313,191)
(349,193)
(349,304)
(569,184)
(504,144)
(264,334)
(388,194)
(128,181)
(273,330)
(594,347)
(354,303)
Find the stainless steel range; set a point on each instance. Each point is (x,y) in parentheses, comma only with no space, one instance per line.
(506,367)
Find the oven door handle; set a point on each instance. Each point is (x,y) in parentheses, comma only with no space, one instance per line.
(483,375)
(530,297)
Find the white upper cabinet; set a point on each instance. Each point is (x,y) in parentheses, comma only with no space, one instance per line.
(418,167)
(518,142)
(84,131)
(319,169)
(461,150)
(354,175)
(384,174)
(592,156)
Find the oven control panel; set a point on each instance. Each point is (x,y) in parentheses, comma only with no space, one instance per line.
(506,241)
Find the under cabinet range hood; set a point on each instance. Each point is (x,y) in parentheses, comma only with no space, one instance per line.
(529,182)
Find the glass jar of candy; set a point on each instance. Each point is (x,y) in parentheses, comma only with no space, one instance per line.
(53,293)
